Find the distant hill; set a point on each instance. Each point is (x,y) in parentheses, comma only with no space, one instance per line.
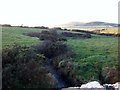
(95,23)
(72,24)
(101,24)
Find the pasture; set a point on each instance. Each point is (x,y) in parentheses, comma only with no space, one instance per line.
(14,35)
(106,46)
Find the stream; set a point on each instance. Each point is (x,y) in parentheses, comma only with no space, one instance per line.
(61,84)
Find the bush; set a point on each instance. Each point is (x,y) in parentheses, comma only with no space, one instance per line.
(52,36)
(41,27)
(52,45)
(33,34)
(64,65)
(76,35)
(22,68)
(51,49)
(56,28)
(87,35)
(6,25)
(110,74)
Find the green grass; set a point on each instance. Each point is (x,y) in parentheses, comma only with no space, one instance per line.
(14,35)
(93,55)
(99,46)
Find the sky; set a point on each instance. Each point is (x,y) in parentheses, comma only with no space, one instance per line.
(56,12)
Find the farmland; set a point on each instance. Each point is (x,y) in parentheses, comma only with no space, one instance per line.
(104,46)
(107,30)
(111,31)
(91,56)
(97,45)
(14,35)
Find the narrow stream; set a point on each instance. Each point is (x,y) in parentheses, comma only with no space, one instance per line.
(61,84)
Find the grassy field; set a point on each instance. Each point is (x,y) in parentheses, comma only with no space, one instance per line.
(98,46)
(92,54)
(105,46)
(14,35)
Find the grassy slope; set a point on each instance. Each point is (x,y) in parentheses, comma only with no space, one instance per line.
(11,35)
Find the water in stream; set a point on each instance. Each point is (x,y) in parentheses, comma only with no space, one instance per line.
(61,84)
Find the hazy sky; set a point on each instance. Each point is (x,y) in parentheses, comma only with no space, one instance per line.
(55,12)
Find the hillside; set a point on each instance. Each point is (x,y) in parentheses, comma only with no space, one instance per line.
(89,24)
